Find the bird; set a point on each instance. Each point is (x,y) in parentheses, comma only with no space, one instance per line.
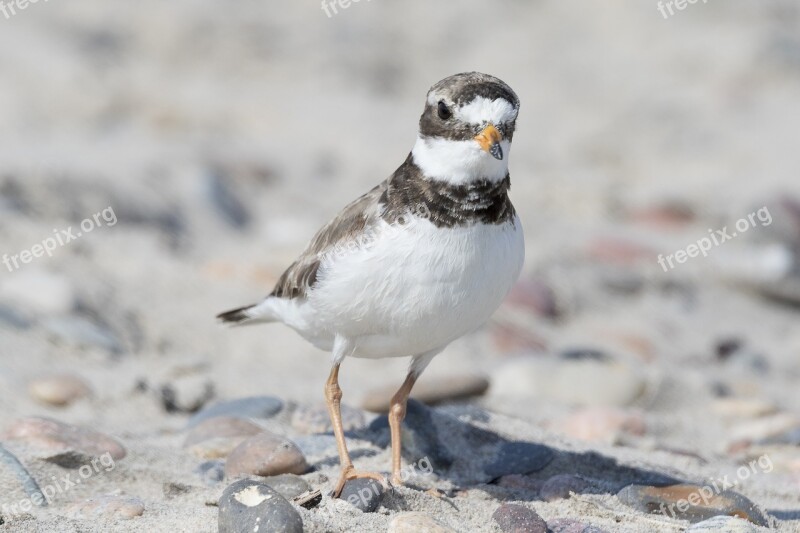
(422,259)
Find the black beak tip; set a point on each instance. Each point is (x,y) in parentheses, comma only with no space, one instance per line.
(496,151)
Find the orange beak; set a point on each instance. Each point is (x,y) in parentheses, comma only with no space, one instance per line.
(489,139)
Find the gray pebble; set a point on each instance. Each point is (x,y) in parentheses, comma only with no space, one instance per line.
(251,407)
(265,454)
(363,494)
(514,518)
(249,505)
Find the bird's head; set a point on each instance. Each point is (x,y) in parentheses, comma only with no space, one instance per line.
(466,129)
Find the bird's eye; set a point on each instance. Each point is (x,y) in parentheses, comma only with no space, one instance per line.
(444,111)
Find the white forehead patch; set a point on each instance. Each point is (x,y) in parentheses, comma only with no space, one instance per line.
(482,110)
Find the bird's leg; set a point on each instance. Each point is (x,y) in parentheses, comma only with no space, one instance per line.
(397,412)
(333,397)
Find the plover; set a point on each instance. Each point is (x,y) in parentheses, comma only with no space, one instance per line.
(420,260)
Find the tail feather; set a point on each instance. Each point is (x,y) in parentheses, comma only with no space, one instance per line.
(249,314)
(236,316)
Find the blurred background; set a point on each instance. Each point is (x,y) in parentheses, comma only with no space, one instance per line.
(220,136)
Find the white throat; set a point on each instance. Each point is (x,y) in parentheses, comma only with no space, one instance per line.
(458,162)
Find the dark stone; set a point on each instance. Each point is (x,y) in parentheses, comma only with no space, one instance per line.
(251,407)
(227,201)
(211,472)
(288,485)
(559,487)
(419,436)
(514,518)
(518,458)
(584,354)
(363,494)
(249,505)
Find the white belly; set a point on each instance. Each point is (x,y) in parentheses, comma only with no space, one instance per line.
(406,290)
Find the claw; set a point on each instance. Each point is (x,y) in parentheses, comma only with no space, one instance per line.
(349,473)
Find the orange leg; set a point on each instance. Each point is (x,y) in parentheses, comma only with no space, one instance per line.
(397,412)
(333,397)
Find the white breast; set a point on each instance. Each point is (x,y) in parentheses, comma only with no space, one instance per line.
(413,288)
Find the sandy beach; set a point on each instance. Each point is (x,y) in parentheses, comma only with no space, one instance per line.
(164,162)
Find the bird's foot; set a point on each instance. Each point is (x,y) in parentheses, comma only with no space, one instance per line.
(349,472)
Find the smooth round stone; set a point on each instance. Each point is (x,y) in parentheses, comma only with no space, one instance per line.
(316,445)
(79,331)
(217,437)
(694,503)
(187,394)
(62,443)
(266,454)
(107,507)
(288,485)
(517,457)
(249,505)
(764,428)
(211,472)
(514,518)
(533,296)
(520,482)
(311,419)
(743,407)
(58,389)
(414,522)
(572,379)
(561,486)
(363,494)
(252,407)
(430,391)
(38,291)
(722,524)
(568,525)
(603,424)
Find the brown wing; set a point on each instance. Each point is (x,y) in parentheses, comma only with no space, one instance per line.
(351,222)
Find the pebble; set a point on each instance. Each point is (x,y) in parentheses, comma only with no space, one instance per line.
(568,525)
(520,482)
(420,438)
(517,457)
(288,485)
(603,424)
(317,446)
(561,486)
(251,407)
(63,444)
(211,472)
(249,505)
(577,378)
(515,518)
(82,332)
(764,428)
(431,391)
(743,407)
(187,394)
(363,494)
(266,454)
(534,296)
(694,503)
(722,524)
(415,522)
(310,419)
(107,507)
(217,437)
(58,389)
(13,318)
(38,291)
